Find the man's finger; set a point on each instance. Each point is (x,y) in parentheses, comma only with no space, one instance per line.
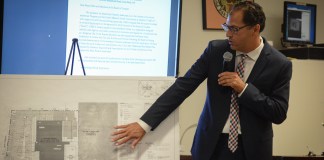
(122,141)
(118,137)
(224,73)
(134,143)
(118,132)
(121,126)
(224,81)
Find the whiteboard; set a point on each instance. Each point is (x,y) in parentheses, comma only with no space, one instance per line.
(72,117)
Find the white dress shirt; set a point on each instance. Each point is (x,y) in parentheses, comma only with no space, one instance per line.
(249,64)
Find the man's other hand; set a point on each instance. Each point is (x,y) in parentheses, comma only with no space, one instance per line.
(231,79)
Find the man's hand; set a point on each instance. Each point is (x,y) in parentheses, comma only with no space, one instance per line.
(132,131)
(231,79)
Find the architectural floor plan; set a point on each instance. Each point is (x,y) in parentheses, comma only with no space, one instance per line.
(67,118)
(43,135)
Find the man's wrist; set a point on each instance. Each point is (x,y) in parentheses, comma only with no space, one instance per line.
(239,95)
(147,128)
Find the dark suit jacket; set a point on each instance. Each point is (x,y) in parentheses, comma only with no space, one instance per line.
(265,101)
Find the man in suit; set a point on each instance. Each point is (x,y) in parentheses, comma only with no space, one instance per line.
(242,102)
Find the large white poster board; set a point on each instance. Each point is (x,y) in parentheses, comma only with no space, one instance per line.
(72,118)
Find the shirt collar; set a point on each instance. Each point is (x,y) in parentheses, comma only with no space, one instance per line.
(254,55)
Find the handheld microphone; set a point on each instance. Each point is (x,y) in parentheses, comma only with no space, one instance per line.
(227,59)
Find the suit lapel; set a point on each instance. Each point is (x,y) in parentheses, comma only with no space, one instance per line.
(260,63)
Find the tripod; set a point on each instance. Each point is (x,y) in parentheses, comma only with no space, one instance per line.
(74,43)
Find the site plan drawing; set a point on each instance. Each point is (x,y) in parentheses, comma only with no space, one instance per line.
(78,125)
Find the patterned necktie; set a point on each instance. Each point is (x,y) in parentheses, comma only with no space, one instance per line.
(234,111)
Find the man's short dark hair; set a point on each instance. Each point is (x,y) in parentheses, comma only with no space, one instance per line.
(252,13)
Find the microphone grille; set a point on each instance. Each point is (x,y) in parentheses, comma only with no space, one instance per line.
(227,56)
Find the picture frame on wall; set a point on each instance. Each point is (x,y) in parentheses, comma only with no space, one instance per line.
(215,12)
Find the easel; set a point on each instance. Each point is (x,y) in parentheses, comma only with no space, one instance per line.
(74,43)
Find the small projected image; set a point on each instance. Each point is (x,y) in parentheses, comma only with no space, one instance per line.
(295,25)
(294,28)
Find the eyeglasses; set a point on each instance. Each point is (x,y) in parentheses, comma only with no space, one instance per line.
(232,28)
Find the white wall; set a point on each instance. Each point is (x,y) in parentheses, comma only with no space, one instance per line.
(306,112)
(194,40)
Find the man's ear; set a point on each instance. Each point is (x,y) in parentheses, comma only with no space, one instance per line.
(257,28)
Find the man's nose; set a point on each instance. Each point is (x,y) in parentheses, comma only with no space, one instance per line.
(229,33)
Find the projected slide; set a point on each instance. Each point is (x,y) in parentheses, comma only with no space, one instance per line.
(115,37)
(120,37)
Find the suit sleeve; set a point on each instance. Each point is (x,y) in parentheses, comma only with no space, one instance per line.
(273,106)
(179,91)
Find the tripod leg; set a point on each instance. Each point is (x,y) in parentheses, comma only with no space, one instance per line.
(73,57)
(67,66)
(81,59)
